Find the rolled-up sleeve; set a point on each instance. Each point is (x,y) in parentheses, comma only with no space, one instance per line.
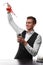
(33,51)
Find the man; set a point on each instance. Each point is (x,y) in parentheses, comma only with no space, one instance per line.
(29,41)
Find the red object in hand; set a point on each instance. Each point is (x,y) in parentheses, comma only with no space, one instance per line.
(9,9)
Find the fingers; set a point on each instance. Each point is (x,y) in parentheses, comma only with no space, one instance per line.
(19,38)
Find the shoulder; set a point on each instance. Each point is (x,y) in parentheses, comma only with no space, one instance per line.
(24,31)
(39,37)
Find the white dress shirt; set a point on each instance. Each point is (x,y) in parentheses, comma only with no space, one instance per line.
(33,51)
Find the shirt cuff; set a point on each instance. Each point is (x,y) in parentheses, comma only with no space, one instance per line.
(27,46)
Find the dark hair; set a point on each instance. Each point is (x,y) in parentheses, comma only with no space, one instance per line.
(33,18)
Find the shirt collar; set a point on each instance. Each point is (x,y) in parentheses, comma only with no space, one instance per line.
(30,32)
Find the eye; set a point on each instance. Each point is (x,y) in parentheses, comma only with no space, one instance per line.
(28,22)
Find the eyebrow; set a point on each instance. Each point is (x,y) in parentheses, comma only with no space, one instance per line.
(28,22)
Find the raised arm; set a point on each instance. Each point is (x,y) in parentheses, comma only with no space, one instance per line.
(13,24)
(11,21)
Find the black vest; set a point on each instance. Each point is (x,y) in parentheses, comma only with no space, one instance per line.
(22,52)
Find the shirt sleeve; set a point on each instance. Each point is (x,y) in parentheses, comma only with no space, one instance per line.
(13,24)
(33,51)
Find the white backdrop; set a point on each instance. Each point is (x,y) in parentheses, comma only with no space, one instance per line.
(22,8)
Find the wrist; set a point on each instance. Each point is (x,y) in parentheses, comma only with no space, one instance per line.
(25,43)
(8,12)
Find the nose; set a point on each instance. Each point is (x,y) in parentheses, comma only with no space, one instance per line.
(27,26)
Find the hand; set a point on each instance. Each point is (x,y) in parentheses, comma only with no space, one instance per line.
(21,40)
(9,10)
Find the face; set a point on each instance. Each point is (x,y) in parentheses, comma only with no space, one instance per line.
(29,24)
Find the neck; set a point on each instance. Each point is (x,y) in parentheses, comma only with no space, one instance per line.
(29,30)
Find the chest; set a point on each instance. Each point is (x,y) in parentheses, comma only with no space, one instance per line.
(27,36)
(30,38)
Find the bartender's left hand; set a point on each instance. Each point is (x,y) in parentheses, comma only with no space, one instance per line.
(21,40)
